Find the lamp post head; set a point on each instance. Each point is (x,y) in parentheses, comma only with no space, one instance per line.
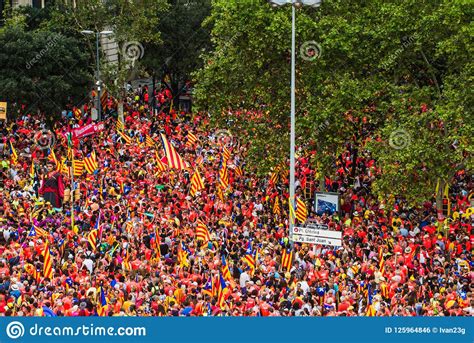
(107,32)
(87,32)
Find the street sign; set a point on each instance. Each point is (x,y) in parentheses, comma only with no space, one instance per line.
(317,240)
(309,231)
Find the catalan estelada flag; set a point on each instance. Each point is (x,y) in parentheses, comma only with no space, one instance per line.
(202,233)
(13,154)
(222,292)
(225,269)
(174,160)
(371,312)
(287,258)
(48,263)
(207,289)
(183,255)
(90,162)
(249,258)
(301,211)
(102,306)
(197,183)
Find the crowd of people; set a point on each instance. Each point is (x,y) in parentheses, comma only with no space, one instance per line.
(127,245)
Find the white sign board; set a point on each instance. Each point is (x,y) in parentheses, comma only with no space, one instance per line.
(317,240)
(309,231)
(94,114)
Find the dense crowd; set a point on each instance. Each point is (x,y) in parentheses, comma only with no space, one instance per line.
(145,259)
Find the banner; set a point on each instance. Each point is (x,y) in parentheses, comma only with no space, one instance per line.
(325,202)
(3,110)
(220,329)
(87,130)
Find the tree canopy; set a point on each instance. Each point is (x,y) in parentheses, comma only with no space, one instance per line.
(402,69)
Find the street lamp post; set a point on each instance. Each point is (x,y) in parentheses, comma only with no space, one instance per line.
(98,83)
(295,4)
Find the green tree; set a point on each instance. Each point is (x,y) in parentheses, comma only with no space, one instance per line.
(41,70)
(184,39)
(359,64)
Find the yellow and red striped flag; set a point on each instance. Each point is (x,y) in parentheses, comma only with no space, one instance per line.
(13,154)
(192,139)
(287,258)
(78,166)
(173,159)
(238,171)
(276,206)
(202,233)
(119,126)
(225,269)
(48,263)
(301,211)
(222,292)
(199,160)
(90,162)
(225,154)
(197,183)
(159,165)
(125,137)
(150,142)
(223,176)
(92,238)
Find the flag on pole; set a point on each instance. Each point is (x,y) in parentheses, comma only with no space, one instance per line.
(174,160)
(183,255)
(191,140)
(48,263)
(197,183)
(249,258)
(287,258)
(225,269)
(276,206)
(119,126)
(102,306)
(126,138)
(92,239)
(159,164)
(202,233)
(207,289)
(225,154)
(222,292)
(78,167)
(223,176)
(301,211)
(13,154)
(150,142)
(91,163)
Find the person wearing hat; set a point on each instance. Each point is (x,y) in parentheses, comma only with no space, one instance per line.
(52,187)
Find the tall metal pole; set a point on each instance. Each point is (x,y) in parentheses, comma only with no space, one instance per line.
(99,86)
(292,134)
